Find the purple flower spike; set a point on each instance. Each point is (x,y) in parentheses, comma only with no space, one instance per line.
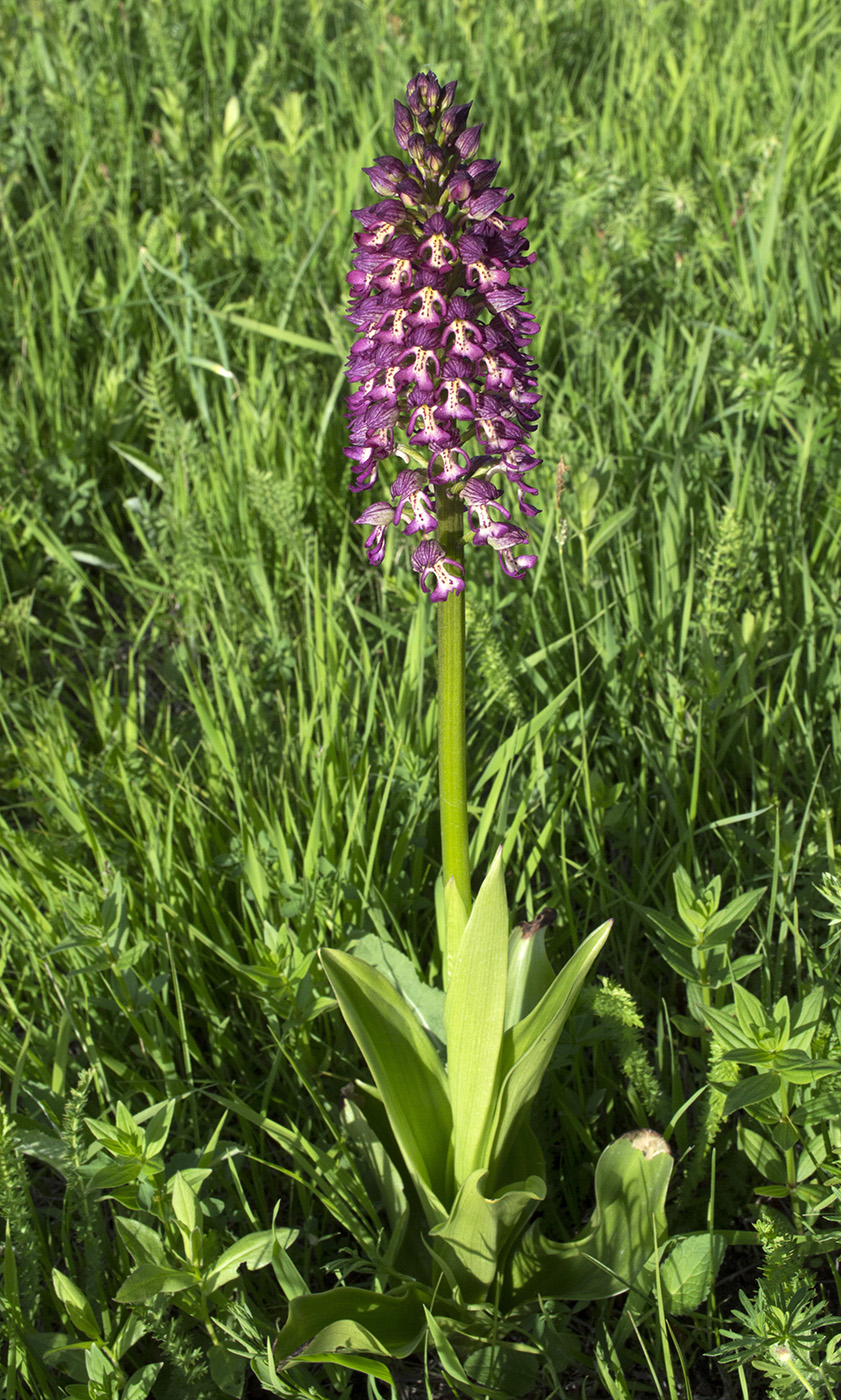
(444,379)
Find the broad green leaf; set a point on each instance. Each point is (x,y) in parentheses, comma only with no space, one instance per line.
(742,967)
(781,1018)
(756,1059)
(111,1177)
(690,1271)
(185,1205)
(348,1360)
(133,1330)
(474,1016)
(764,1156)
(405,1068)
(727,1030)
(753,1090)
(101,1370)
(721,927)
(694,908)
(148,1280)
(822,1106)
(628,1223)
(750,1012)
(797,1068)
(528,1046)
(809,1161)
(145,1244)
(426,1001)
(505,1367)
(79,1310)
(685,967)
(784,1135)
(291,1283)
(480,1228)
(671,930)
(46,1147)
(227,1370)
(522,1158)
(355,1319)
(805,1019)
(139,1385)
(156,1131)
(253,1250)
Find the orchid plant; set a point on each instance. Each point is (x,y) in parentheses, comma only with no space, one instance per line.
(446,387)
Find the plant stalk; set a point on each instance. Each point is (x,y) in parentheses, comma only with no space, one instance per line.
(452,741)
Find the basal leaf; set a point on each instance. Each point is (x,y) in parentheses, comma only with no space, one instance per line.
(385,1173)
(479,1230)
(353,1319)
(426,1001)
(474,1017)
(455,921)
(405,1069)
(528,1046)
(628,1223)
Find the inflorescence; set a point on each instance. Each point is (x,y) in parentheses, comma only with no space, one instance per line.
(443,333)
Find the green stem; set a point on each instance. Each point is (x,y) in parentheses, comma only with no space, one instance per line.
(452,742)
(790,1160)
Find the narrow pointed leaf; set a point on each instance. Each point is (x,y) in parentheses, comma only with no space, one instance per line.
(530,974)
(474,1016)
(405,1069)
(149,1280)
(255,1251)
(455,921)
(529,1045)
(385,1173)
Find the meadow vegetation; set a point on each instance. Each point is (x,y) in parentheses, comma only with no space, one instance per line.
(217,722)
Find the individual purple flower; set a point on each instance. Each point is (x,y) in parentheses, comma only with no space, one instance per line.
(444,379)
(430,559)
(380,516)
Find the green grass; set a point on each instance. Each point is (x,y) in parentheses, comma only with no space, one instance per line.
(218,725)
